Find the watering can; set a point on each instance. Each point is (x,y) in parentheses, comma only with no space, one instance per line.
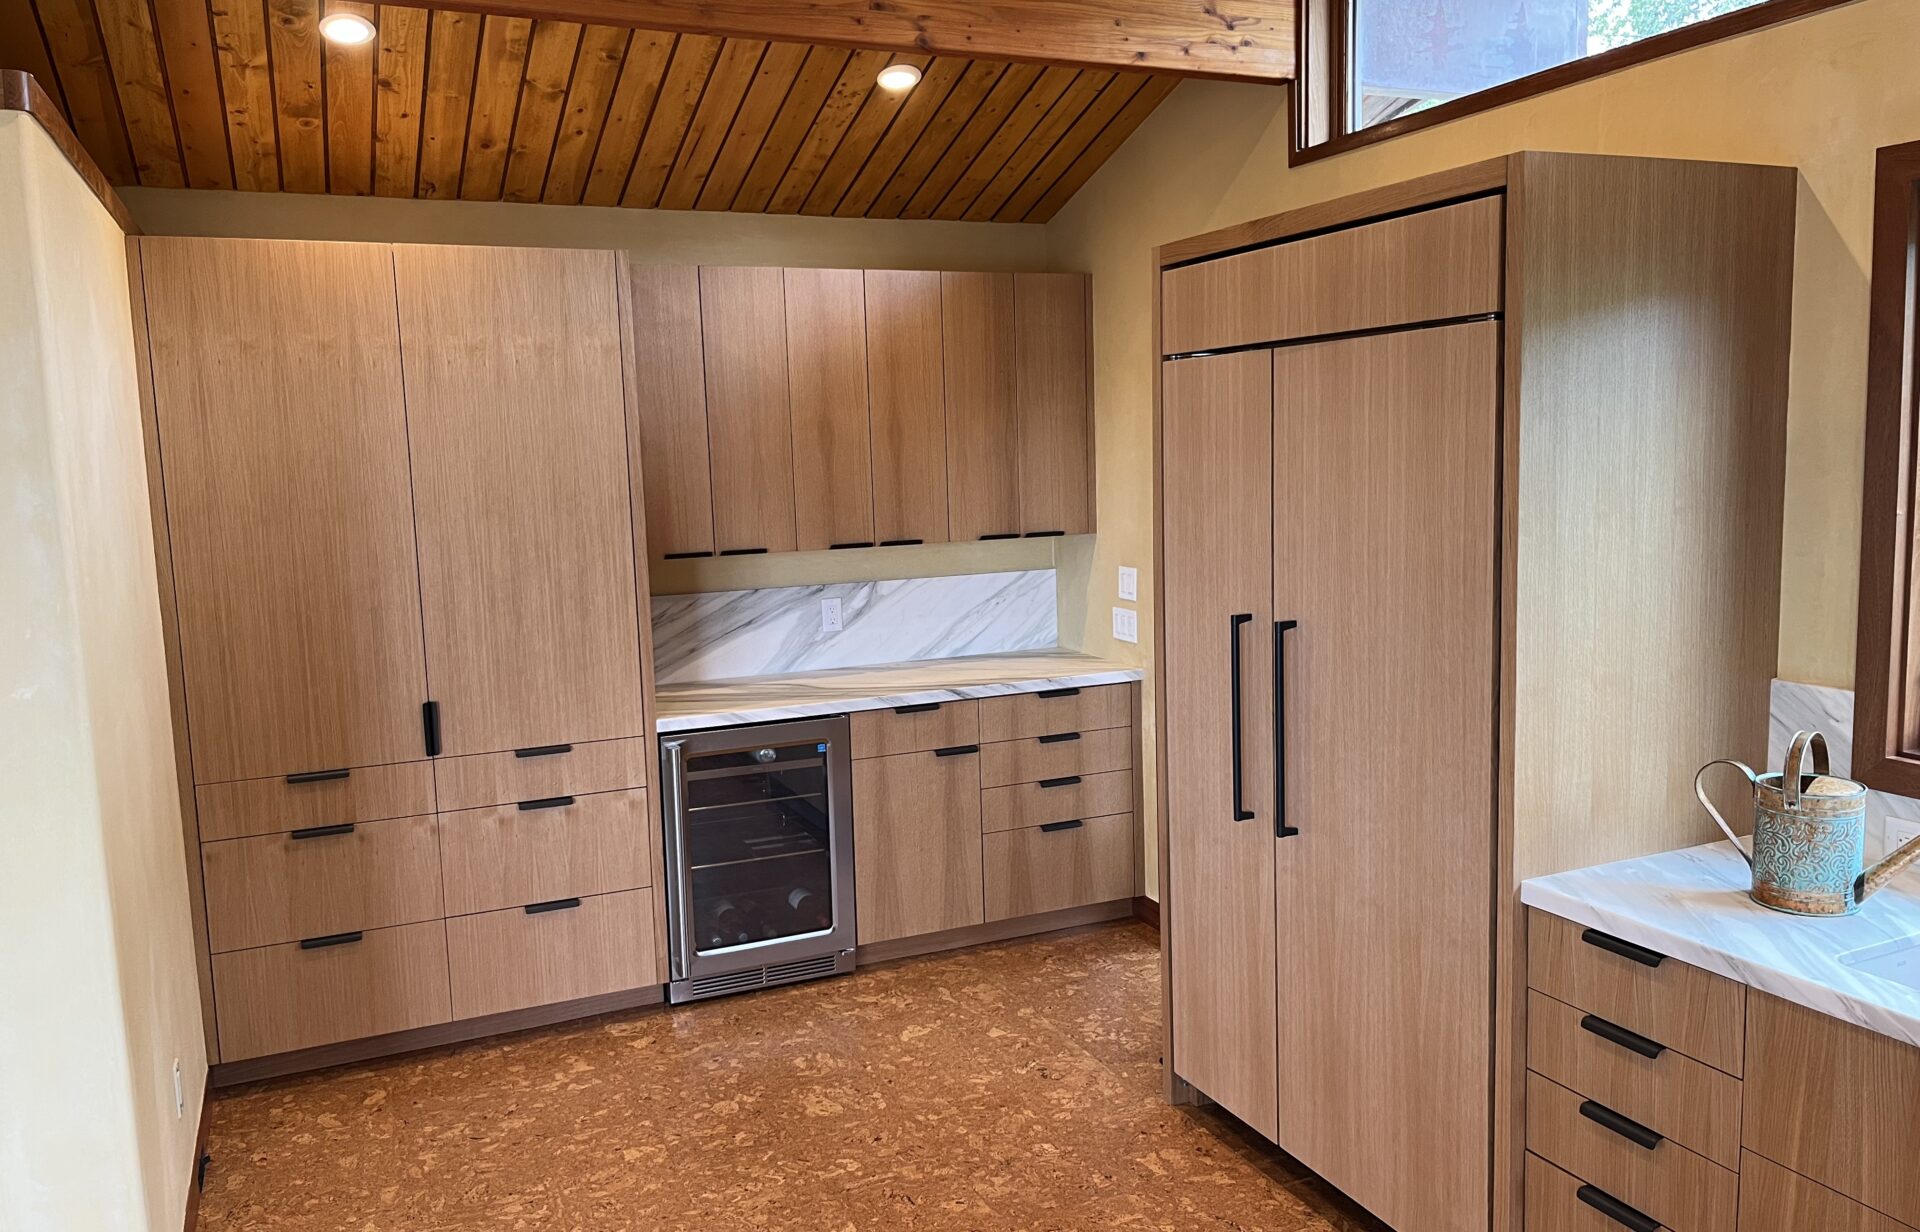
(1809,835)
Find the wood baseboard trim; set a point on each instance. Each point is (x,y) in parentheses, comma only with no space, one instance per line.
(233,1073)
(194,1174)
(1146,910)
(997,930)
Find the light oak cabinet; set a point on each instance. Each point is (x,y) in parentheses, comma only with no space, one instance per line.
(907,389)
(1394,525)
(749,434)
(983,473)
(827,396)
(916,843)
(1053,402)
(670,396)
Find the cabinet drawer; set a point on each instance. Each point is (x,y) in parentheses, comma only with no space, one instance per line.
(541,773)
(1685,1008)
(1017,716)
(509,856)
(1041,868)
(1674,1095)
(1776,1199)
(1056,756)
(1684,1191)
(1426,266)
(914,729)
(271,806)
(312,883)
(1051,800)
(1554,1203)
(286,997)
(509,960)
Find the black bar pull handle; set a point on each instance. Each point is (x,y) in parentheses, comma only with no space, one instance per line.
(686,555)
(1005,534)
(743,551)
(1060,738)
(1054,826)
(321,943)
(543,750)
(1614,1033)
(319,776)
(841,547)
(1045,534)
(322,831)
(1628,1128)
(1240,810)
(1058,693)
(551,802)
(558,904)
(920,708)
(957,750)
(1625,949)
(430,726)
(901,543)
(1071,780)
(1616,1210)
(1281,829)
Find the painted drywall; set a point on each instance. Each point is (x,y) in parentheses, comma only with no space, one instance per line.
(1821,93)
(96,952)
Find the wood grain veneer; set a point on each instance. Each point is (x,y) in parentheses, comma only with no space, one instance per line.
(670,390)
(283,998)
(1053,402)
(743,323)
(916,827)
(505,856)
(502,961)
(506,778)
(906,383)
(1038,804)
(827,398)
(1775,1199)
(1033,870)
(1021,716)
(883,733)
(268,806)
(278,888)
(983,472)
(1029,761)
(1551,1204)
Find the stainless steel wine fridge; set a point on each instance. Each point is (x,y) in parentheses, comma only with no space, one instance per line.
(760,856)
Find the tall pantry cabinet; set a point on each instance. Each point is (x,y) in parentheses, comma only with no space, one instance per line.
(401,524)
(1469,551)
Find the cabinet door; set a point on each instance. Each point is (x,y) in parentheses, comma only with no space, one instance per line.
(916,844)
(1384,538)
(1217,552)
(827,397)
(671,401)
(909,406)
(1051,366)
(743,321)
(983,472)
(518,426)
(276,373)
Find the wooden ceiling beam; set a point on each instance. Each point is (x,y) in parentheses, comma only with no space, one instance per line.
(1244,40)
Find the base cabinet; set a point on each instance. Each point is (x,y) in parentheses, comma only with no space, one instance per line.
(916,843)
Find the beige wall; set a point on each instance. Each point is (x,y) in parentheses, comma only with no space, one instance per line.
(98,994)
(1820,94)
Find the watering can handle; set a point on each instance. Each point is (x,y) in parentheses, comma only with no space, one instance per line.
(1714,813)
(1796,755)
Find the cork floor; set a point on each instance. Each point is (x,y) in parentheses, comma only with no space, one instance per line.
(1013,1086)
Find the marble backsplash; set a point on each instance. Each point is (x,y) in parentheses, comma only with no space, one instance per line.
(728,634)
(1811,707)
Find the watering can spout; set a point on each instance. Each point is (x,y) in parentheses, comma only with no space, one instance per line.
(1889,867)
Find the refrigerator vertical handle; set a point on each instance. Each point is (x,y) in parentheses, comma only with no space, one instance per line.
(1240,811)
(1280,827)
(680,904)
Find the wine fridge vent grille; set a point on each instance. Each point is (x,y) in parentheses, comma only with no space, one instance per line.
(763,977)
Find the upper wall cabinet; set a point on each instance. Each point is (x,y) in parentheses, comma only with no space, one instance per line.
(849,408)
(524,517)
(277,390)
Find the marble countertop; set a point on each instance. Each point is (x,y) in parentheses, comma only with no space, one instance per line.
(1693,905)
(759,699)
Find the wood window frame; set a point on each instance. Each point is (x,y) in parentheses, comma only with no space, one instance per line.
(1886,752)
(1323,34)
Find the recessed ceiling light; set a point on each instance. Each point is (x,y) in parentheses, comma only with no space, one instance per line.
(898,77)
(348,28)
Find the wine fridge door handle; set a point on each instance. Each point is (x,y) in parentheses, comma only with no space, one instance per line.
(1280,827)
(680,925)
(1240,810)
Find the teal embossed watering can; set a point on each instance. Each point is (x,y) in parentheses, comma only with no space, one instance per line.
(1809,835)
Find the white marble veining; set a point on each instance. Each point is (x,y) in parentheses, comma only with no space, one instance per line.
(1795,707)
(731,634)
(725,703)
(1693,905)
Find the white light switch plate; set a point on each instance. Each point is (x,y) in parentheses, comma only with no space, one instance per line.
(1129,583)
(1126,624)
(829,615)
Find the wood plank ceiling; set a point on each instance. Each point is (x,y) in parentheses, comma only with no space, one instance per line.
(245,94)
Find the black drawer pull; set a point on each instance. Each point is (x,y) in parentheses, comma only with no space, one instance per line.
(1058,693)
(1071,780)
(841,547)
(1011,534)
(558,904)
(1044,534)
(743,551)
(430,727)
(1614,1033)
(921,708)
(1060,738)
(686,555)
(901,543)
(543,750)
(528,806)
(319,776)
(1632,1130)
(1616,1210)
(1052,826)
(1625,949)
(322,831)
(957,750)
(321,943)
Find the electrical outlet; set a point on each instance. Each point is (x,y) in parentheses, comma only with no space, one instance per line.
(179,1092)
(830,616)
(1901,830)
(1129,583)
(1126,624)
